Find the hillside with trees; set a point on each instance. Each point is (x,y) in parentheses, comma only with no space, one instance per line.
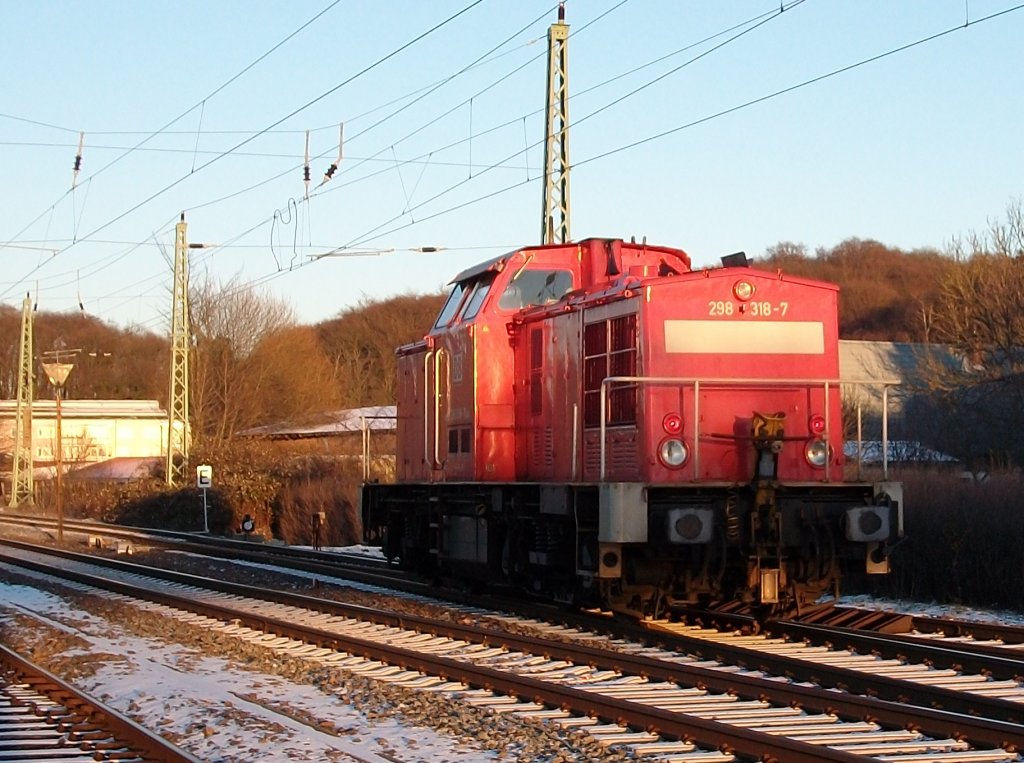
(886,293)
(112,363)
(360,344)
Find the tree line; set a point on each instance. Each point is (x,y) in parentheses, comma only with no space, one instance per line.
(254,364)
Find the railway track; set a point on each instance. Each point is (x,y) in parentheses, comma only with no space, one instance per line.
(43,718)
(654,702)
(128,541)
(958,646)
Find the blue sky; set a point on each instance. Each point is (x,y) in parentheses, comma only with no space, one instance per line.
(911,149)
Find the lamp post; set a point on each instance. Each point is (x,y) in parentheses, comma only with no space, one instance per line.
(57,373)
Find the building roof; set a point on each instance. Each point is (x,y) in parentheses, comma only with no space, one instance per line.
(905,361)
(898,451)
(121,469)
(377,418)
(89,409)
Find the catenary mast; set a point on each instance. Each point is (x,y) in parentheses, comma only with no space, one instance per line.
(177,395)
(22,487)
(555,214)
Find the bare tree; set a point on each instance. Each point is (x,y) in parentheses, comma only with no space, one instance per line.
(290,377)
(884,291)
(361,343)
(979,316)
(228,321)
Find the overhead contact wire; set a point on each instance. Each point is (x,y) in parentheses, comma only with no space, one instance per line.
(248,140)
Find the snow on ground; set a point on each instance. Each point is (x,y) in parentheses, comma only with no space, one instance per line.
(371,551)
(947,611)
(224,713)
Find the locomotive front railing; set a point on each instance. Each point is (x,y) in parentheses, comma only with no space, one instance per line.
(696,383)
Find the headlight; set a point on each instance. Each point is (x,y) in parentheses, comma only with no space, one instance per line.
(816,453)
(673,453)
(743,290)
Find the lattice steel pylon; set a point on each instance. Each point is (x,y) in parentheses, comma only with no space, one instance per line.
(555,214)
(22,484)
(177,394)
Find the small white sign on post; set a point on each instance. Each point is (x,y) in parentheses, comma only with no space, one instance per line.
(204,481)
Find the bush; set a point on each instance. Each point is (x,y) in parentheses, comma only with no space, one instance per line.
(328,488)
(279,493)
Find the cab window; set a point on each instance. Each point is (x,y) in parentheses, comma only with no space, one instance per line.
(480,291)
(535,287)
(451,306)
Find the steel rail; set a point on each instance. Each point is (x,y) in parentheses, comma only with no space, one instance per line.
(982,659)
(977,658)
(853,681)
(1008,634)
(978,731)
(169,537)
(323,562)
(85,721)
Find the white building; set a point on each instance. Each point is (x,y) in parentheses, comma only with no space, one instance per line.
(91,430)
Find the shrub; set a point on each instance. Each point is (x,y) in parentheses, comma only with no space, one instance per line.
(278,493)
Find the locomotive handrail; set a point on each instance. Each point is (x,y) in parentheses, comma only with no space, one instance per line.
(733,381)
(427,357)
(364,423)
(438,464)
(575,440)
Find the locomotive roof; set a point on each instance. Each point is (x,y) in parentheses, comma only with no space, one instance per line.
(495,263)
(569,249)
(726,272)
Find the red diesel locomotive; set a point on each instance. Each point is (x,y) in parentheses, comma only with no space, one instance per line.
(597,423)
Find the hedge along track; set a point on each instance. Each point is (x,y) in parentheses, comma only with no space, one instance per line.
(626,700)
(44,718)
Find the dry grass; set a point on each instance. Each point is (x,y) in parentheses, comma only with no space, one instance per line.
(330,488)
(965,540)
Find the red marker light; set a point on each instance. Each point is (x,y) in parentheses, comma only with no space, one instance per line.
(816,424)
(672,423)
